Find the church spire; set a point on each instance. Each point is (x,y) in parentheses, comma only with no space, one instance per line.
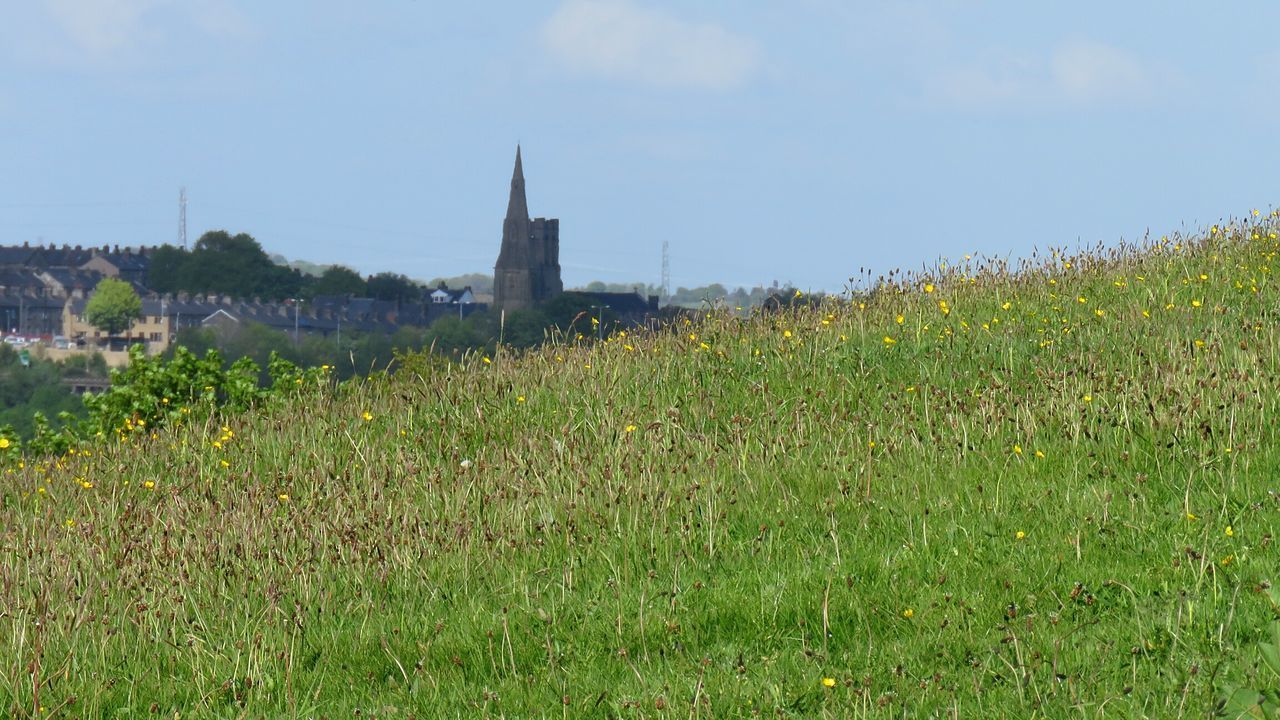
(517,208)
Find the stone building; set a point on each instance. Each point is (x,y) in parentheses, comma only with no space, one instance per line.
(528,269)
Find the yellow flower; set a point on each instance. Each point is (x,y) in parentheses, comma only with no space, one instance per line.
(1017,449)
(631,428)
(1229,532)
(1020,535)
(942,305)
(786,333)
(487,361)
(282,497)
(1192,516)
(1006,306)
(1088,398)
(150,485)
(928,287)
(1039,454)
(1228,560)
(899,319)
(4,443)
(1195,303)
(70,522)
(889,341)
(1100,312)
(908,613)
(367,416)
(828,682)
(519,398)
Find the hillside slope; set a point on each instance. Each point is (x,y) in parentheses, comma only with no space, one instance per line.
(1045,492)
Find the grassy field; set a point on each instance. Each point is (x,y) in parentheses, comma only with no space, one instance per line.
(1043,491)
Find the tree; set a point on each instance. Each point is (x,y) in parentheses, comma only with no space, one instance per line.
(113,306)
(338,280)
(393,286)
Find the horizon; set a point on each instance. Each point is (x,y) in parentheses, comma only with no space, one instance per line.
(792,145)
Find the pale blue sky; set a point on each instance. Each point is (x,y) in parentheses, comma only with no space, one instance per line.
(792,141)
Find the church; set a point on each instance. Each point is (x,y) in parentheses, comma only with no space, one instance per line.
(528,269)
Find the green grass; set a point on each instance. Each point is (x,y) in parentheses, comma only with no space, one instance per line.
(1017,508)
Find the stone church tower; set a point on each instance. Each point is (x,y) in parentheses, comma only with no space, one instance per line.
(528,269)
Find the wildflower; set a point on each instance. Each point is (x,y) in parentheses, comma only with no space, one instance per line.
(224,463)
(1088,398)
(1040,454)
(1006,306)
(786,333)
(899,319)
(798,293)
(217,444)
(1082,300)
(942,305)
(928,287)
(1192,516)
(367,416)
(70,523)
(1195,303)
(1017,449)
(86,484)
(486,360)
(1228,560)
(519,398)
(1020,535)
(630,428)
(1229,532)
(828,682)
(908,613)
(282,497)
(1100,312)
(889,341)
(150,485)
(4,443)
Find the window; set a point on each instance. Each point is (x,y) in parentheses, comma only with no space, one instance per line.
(155,337)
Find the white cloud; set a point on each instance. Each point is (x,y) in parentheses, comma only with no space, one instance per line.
(620,39)
(100,26)
(103,28)
(1088,71)
(1077,72)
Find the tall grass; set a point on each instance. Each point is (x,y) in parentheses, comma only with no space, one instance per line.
(980,491)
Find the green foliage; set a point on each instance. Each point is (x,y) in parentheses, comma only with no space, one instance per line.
(338,280)
(113,306)
(222,263)
(38,388)
(393,286)
(1242,702)
(154,391)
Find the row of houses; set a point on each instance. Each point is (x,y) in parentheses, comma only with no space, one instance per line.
(44,290)
(164,316)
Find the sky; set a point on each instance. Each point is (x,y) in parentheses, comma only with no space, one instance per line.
(794,142)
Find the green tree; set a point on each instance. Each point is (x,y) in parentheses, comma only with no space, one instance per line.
(113,306)
(393,286)
(166,268)
(338,280)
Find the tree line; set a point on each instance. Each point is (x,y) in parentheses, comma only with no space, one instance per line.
(236,265)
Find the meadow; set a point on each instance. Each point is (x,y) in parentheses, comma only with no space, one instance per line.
(1045,490)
